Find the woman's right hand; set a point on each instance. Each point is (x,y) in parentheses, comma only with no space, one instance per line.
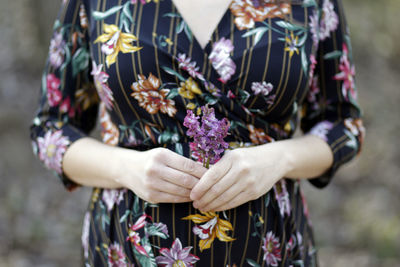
(159,175)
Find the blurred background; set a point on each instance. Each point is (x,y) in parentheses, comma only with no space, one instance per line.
(356,218)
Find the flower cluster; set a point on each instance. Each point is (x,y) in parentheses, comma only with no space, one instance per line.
(209,136)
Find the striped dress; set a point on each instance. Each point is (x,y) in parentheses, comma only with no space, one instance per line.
(135,67)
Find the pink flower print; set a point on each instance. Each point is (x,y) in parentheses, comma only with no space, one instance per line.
(329,20)
(321,29)
(314,27)
(263,88)
(57,52)
(313,63)
(116,256)
(100,81)
(321,129)
(113,196)
(220,59)
(66,107)
(134,236)
(346,75)
(54,95)
(185,64)
(135,1)
(51,149)
(85,234)
(176,256)
(272,251)
(282,197)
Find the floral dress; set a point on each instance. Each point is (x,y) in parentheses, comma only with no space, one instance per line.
(136,66)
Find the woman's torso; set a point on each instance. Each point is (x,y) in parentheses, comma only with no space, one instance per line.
(148,70)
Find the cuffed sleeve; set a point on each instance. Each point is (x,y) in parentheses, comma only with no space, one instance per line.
(330,110)
(68,102)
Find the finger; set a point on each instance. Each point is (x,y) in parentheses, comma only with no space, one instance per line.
(233,203)
(222,199)
(224,184)
(211,177)
(162,197)
(173,189)
(179,178)
(181,163)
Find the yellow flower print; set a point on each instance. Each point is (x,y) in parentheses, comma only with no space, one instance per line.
(189,88)
(115,41)
(292,43)
(212,227)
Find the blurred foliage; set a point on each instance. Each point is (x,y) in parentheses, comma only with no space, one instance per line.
(356,218)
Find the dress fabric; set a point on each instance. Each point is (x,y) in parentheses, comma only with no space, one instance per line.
(135,66)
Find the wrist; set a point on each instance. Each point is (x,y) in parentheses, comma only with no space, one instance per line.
(124,161)
(287,157)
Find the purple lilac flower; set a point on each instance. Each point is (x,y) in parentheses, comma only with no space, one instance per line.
(209,137)
(176,256)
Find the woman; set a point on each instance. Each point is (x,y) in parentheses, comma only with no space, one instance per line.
(169,189)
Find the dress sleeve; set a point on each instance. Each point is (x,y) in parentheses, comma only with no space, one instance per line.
(330,110)
(68,102)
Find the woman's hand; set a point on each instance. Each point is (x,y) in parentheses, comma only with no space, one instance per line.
(241,175)
(160,175)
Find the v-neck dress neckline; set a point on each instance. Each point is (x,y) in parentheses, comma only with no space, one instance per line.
(217,28)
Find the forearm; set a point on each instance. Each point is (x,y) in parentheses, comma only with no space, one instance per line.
(305,157)
(92,163)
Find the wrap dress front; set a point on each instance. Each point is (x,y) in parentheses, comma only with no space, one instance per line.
(135,65)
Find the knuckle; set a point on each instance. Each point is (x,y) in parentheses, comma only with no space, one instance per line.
(215,190)
(189,166)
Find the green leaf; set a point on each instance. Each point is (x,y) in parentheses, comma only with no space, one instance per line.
(303,39)
(80,61)
(56,25)
(179,27)
(309,3)
(172,72)
(125,11)
(136,205)
(188,32)
(289,26)
(67,58)
(211,100)
(97,15)
(267,197)
(258,32)
(333,54)
(123,218)
(179,149)
(172,15)
(304,61)
(172,93)
(252,263)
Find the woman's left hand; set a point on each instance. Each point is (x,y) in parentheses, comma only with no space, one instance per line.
(241,175)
